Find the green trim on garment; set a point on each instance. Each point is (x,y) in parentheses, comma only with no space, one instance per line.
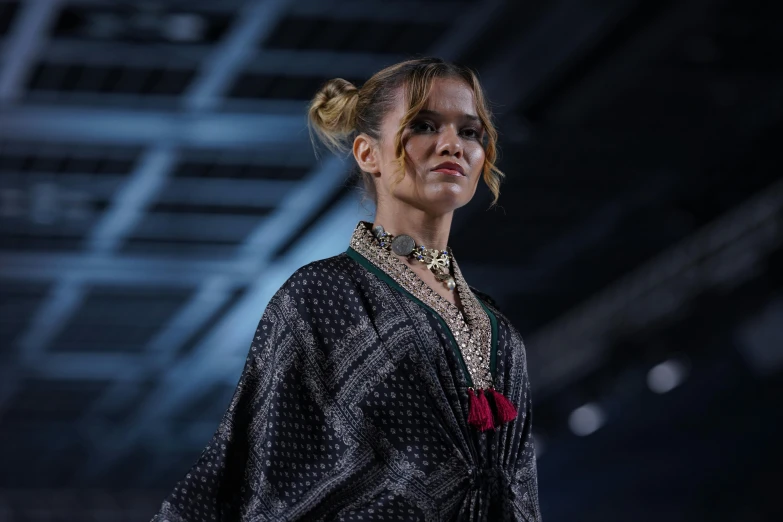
(356,256)
(493,352)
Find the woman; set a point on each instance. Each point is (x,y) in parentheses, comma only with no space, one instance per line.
(379,385)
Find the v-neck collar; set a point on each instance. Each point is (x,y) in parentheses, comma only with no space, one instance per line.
(473,334)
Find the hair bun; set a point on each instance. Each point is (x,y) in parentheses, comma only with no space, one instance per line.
(332,113)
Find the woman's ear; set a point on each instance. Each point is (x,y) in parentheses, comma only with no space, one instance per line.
(366,154)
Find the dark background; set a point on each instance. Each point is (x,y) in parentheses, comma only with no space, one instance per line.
(157,185)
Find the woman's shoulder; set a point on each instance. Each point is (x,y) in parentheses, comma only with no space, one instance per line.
(324,288)
(339,266)
(335,274)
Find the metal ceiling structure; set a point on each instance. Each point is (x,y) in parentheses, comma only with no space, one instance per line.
(157,185)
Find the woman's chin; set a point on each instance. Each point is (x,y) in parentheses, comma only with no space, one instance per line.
(446,199)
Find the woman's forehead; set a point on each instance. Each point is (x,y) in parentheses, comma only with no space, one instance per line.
(449,95)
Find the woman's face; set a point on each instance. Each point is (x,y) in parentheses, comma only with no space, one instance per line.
(443,145)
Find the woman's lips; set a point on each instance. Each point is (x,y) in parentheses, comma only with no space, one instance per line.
(449,168)
(451,172)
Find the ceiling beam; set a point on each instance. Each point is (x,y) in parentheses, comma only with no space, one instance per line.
(186,189)
(22,46)
(253,23)
(126,270)
(273,62)
(151,128)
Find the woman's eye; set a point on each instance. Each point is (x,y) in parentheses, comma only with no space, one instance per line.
(423,126)
(471,133)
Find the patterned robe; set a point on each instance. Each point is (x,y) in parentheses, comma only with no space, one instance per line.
(352,406)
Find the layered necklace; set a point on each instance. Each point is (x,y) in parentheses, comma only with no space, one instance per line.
(487,408)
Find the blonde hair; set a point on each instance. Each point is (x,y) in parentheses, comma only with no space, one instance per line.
(339,111)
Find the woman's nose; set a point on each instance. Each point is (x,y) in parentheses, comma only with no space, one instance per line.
(450,144)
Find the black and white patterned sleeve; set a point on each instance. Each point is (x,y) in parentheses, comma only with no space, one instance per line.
(235,467)
(526,484)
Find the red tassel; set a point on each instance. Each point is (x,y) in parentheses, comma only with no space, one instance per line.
(484,403)
(479,413)
(504,410)
(474,415)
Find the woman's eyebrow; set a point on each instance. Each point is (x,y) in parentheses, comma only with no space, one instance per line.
(436,114)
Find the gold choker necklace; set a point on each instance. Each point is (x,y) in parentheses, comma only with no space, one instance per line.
(438,261)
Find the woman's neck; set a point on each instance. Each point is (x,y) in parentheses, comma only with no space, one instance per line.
(430,231)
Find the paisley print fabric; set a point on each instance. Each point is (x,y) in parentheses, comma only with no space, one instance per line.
(352,406)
